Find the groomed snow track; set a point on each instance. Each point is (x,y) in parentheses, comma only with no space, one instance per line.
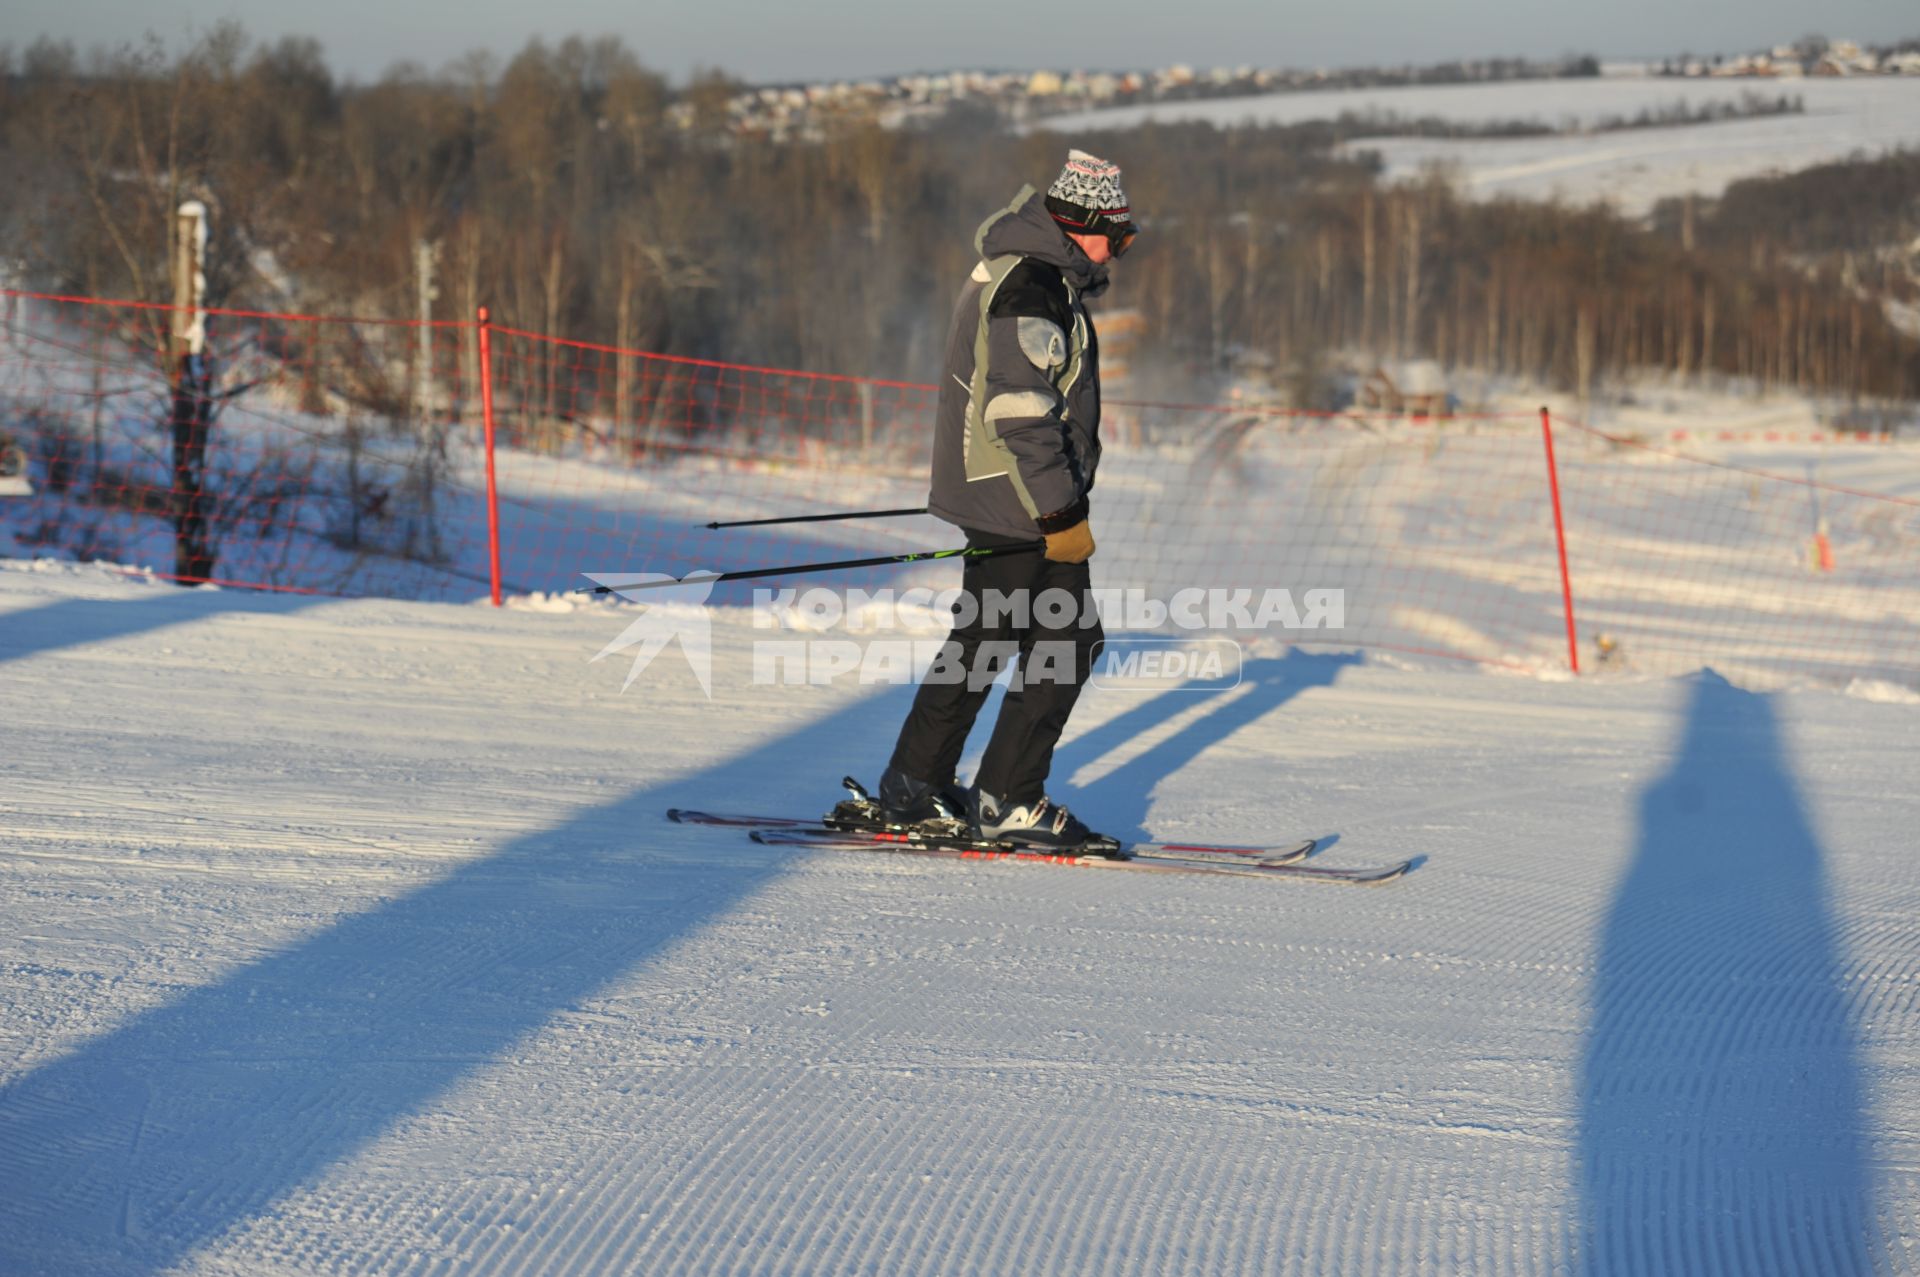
(347,937)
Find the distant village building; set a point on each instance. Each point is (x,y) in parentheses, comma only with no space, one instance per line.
(1044,84)
(1417,388)
(1845,57)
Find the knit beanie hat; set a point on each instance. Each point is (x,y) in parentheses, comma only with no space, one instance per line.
(1087,191)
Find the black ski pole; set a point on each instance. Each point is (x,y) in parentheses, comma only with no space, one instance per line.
(818,518)
(964,552)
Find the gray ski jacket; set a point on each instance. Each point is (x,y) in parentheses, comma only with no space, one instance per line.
(1017,432)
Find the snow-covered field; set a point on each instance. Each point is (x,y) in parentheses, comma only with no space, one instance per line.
(346,936)
(1632,169)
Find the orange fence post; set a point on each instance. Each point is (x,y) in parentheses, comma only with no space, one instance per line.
(486,414)
(1560,536)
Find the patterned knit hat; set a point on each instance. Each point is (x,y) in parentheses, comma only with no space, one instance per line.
(1087,193)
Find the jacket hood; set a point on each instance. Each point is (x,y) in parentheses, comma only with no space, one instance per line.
(1024,228)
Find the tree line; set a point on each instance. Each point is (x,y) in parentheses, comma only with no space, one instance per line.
(560,194)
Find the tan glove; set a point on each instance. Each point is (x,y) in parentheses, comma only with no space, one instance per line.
(1075,545)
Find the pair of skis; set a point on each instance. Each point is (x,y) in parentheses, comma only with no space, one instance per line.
(855,826)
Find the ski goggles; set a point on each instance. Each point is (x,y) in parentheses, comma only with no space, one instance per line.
(1115,224)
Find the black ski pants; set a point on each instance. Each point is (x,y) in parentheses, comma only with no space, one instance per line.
(1005,617)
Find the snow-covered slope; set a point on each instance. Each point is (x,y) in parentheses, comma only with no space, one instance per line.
(347,937)
(1632,169)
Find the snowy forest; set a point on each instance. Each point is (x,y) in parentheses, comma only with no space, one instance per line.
(560,192)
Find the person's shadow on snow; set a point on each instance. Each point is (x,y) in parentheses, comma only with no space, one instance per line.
(1118,802)
(1722,1119)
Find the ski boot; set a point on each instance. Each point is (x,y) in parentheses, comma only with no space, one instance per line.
(903,804)
(1040,826)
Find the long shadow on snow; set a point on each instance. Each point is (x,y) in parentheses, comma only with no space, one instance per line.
(1119,801)
(74,622)
(1721,1128)
(195,1116)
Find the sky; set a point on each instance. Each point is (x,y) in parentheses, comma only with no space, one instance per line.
(779,40)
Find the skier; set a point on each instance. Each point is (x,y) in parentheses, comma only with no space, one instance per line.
(1016,444)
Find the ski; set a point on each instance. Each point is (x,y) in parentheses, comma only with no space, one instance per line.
(856,824)
(825,831)
(1177,853)
(1135,857)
